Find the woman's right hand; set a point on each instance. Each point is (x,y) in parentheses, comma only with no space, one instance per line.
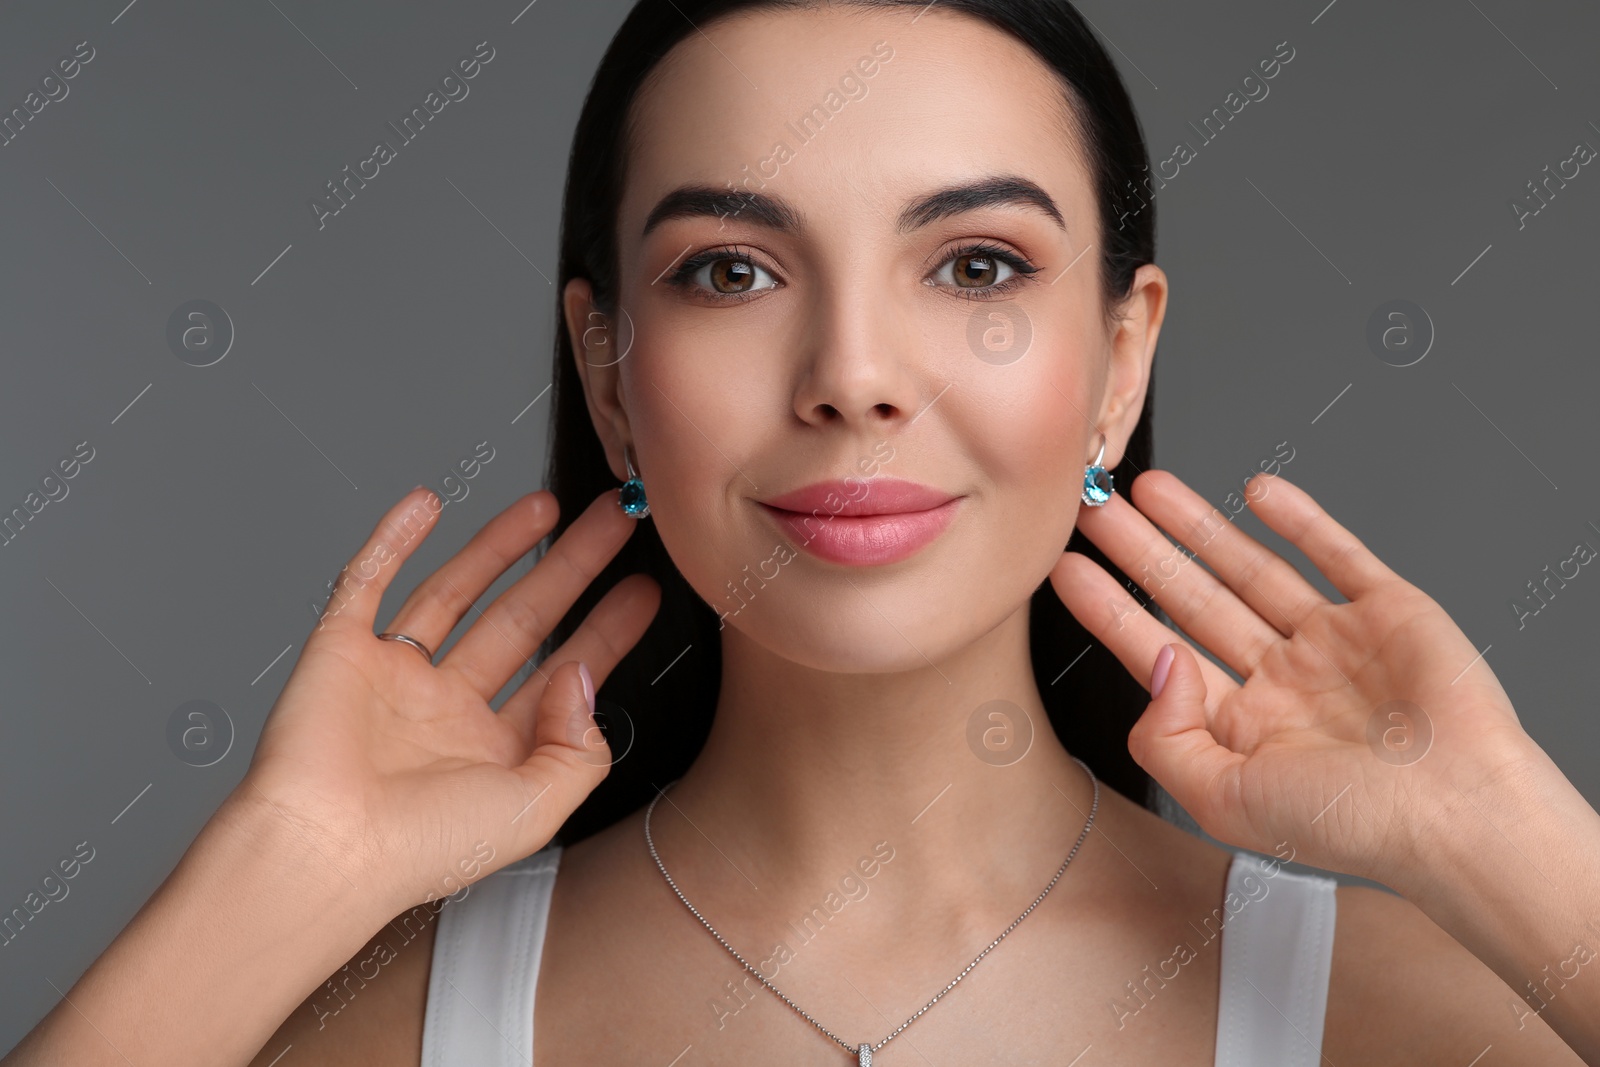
(398,771)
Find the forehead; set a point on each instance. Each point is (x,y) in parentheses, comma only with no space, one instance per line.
(845,109)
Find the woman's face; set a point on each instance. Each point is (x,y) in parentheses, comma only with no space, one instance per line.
(828,322)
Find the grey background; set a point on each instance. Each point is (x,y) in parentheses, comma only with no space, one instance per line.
(377,352)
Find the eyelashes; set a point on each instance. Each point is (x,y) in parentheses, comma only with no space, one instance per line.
(988,254)
(739,267)
(684,277)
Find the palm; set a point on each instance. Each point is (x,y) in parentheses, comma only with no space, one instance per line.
(398,771)
(1350,719)
(372,739)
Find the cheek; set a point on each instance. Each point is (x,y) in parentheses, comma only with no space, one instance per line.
(700,415)
(1025,426)
(1027,422)
(703,426)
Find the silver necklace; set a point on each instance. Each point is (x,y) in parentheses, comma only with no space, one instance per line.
(863,1051)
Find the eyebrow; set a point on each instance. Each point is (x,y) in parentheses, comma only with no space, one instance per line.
(773,212)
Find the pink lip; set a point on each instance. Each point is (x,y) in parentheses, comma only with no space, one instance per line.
(863,521)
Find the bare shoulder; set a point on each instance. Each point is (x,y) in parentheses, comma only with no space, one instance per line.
(371,1009)
(1402,991)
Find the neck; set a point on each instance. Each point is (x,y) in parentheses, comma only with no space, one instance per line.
(806,772)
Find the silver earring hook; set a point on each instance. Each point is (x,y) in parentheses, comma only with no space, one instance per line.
(1102,454)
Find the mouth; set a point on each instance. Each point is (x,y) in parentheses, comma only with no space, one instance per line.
(863,522)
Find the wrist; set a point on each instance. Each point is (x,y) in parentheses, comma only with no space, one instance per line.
(305,865)
(251,920)
(1519,828)
(1512,872)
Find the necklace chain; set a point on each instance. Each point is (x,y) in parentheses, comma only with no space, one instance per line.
(865,1050)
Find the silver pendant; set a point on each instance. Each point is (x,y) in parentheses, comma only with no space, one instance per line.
(863,1056)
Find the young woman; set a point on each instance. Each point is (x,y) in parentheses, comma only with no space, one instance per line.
(857,303)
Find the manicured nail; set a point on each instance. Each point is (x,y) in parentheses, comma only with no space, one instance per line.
(1158,677)
(588,686)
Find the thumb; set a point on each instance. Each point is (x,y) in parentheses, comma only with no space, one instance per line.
(1173,743)
(570,756)
(564,727)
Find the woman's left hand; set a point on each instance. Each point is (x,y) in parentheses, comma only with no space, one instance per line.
(1356,723)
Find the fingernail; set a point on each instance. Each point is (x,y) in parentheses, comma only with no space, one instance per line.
(588,687)
(1158,677)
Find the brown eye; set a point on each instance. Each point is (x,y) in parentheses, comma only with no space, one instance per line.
(975,270)
(718,276)
(979,270)
(732,275)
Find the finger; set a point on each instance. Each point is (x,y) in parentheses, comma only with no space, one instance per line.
(1117,621)
(1172,742)
(1262,579)
(568,760)
(609,631)
(436,605)
(359,588)
(1332,549)
(1191,596)
(510,630)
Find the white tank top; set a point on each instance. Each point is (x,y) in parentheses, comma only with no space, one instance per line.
(1277,945)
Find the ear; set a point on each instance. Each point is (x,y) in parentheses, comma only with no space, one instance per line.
(1133,350)
(598,351)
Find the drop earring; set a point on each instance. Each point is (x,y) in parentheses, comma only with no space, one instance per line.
(1097,486)
(632,496)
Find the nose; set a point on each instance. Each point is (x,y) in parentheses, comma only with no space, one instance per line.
(860,367)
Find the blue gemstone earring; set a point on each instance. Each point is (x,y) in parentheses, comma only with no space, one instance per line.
(1097,486)
(632,497)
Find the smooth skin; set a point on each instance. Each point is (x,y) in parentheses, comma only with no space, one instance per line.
(846,693)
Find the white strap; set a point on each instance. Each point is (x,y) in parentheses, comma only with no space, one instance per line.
(1277,950)
(485,968)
